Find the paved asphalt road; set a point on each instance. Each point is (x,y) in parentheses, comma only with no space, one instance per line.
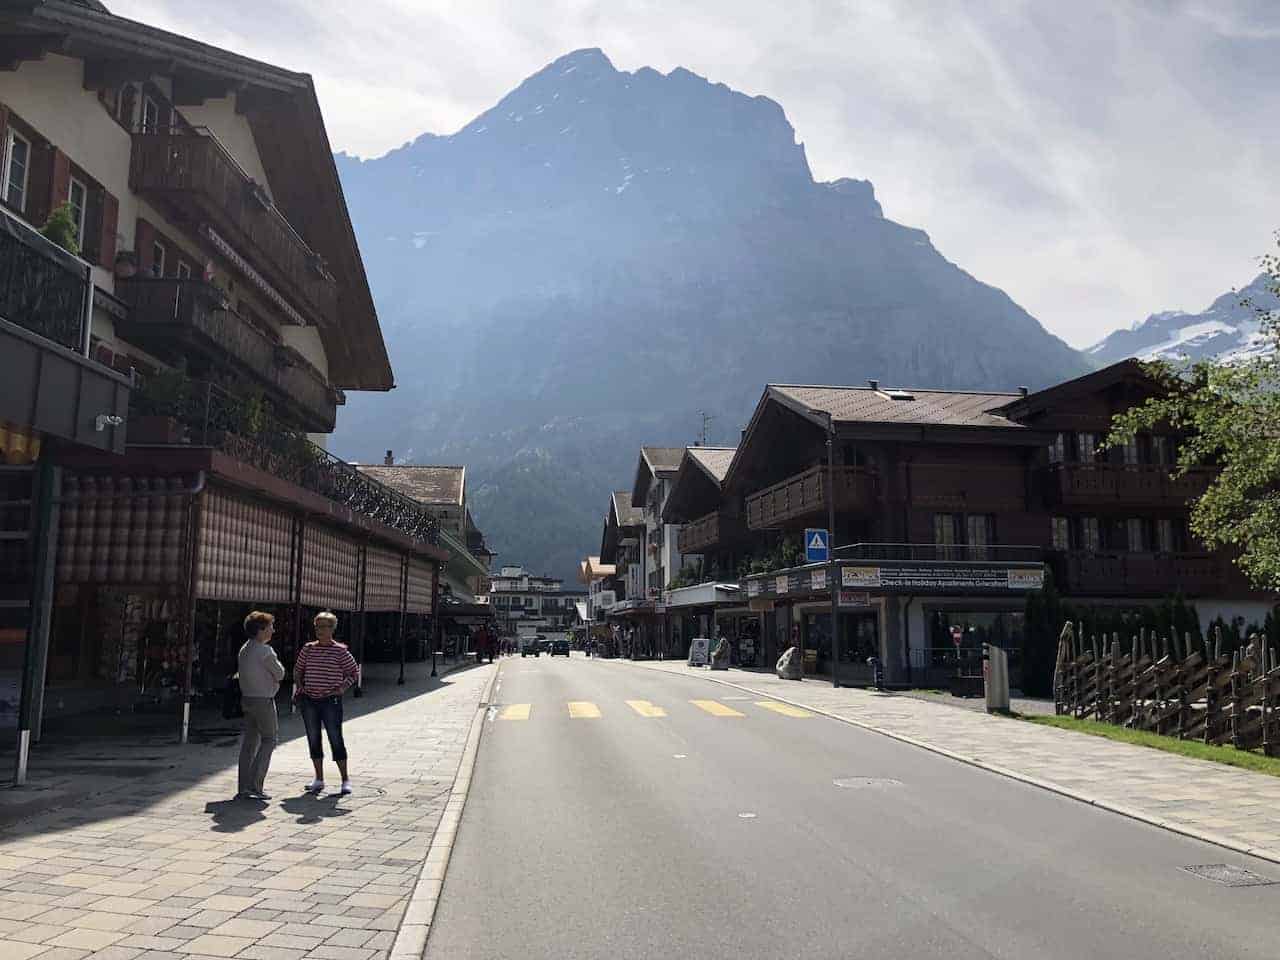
(695,835)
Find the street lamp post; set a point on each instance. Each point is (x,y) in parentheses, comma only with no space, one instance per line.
(832,571)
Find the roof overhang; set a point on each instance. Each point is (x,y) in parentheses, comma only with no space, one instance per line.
(284,115)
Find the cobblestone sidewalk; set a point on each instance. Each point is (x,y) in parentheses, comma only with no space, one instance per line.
(1234,808)
(171,868)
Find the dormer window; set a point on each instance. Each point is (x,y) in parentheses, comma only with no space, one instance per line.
(895,394)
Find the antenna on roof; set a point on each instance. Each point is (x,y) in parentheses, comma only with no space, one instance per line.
(706,419)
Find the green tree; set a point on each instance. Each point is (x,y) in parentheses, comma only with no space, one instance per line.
(1227,415)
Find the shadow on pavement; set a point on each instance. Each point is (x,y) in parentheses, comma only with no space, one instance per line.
(232,816)
(309,808)
(95,768)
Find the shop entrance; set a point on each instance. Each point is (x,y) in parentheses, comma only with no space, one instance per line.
(859,640)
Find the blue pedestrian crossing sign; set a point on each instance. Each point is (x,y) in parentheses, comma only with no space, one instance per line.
(816,545)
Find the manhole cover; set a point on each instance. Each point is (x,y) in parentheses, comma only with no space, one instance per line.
(870,783)
(1228,875)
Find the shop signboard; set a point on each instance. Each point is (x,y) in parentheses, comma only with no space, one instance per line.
(753,588)
(1026,579)
(699,651)
(859,576)
(817,580)
(781,583)
(855,599)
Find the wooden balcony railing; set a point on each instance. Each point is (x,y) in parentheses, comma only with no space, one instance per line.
(193,315)
(194,172)
(1100,484)
(1117,573)
(804,496)
(699,535)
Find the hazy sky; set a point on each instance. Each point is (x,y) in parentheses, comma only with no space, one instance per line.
(1098,160)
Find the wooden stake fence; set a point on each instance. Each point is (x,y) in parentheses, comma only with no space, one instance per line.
(1165,685)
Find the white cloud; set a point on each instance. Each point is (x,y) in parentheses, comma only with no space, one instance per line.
(1098,161)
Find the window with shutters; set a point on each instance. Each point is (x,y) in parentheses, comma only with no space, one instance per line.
(1058,449)
(1090,534)
(78,198)
(1159,449)
(17,161)
(1087,447)
(1136,535)
(1061,533)
(150,115)
(1164,535)
(1132,455)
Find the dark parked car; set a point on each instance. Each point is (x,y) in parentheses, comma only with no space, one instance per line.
(559,648)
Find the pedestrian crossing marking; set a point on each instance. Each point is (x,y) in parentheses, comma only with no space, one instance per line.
(583,710)
(516,711)
(646,709)
(716,708)
(786,709)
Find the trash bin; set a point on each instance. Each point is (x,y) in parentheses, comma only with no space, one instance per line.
(995,677)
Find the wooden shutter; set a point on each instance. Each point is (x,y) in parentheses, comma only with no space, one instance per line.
(59,180)
(143,239)
(110,223)
(38,182)
(91,245)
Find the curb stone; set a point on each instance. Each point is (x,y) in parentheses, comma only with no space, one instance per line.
(1270,855)
(411,938)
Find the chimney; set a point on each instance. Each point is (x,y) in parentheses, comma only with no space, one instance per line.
(1023,391)
(388,460)
(743,435)
(873,384)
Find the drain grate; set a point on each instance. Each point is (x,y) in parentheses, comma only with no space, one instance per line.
(1228,875)
(855,783)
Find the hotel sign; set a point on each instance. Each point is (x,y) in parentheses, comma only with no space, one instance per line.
(928,576)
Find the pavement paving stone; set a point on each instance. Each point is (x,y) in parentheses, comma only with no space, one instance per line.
(170,868)
(1188,795)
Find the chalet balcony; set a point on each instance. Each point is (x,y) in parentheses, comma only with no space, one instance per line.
(699,535)
(203,416)
(191,316)
(50,385)
(1116,484)
(1117,573)
(193,174)
(803,497)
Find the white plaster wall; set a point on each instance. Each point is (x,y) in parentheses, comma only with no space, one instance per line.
(306,340)
(233,130)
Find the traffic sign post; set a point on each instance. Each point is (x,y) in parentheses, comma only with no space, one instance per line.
(817,544)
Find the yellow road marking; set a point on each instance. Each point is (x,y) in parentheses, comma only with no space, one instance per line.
(516,711)
(716,708)
(646,709)
(583,710)
(786,709)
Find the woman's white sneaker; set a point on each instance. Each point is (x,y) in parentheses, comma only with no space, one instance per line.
(315,786)
(346,788)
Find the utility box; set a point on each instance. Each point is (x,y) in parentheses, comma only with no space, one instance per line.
(995,676)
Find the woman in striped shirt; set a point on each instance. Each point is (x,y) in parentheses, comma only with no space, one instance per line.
(323,672)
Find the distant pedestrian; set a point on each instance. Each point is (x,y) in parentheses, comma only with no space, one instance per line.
(324,671)
(260,672)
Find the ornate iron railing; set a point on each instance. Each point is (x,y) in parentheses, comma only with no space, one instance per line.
(42,287)
(243,428)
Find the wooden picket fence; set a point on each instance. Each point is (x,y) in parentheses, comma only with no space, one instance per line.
(1172,686)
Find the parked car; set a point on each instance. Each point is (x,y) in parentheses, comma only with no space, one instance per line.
(559,648)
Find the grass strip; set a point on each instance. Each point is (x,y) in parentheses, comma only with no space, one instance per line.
(1245,759)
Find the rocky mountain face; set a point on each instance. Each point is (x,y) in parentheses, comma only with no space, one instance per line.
(602,255)
(1230,328)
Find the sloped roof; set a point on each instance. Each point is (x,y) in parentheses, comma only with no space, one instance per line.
(1130,368)
(431,485)
(662,459)
(947,408)
(290,135)
(624,512)
(713,460)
